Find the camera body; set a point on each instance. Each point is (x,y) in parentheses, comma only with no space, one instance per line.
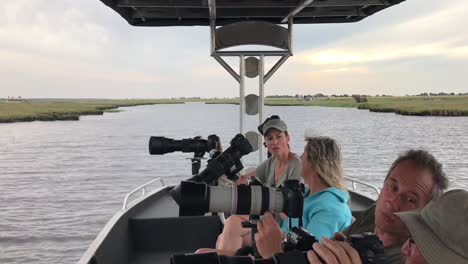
(369,247)
(293,196)
(298,238)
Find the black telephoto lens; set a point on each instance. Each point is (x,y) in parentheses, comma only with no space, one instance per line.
(222,164)
(163,145)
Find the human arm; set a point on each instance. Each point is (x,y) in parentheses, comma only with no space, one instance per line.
(269,237)
(260,172)
(234,236)
(244,179)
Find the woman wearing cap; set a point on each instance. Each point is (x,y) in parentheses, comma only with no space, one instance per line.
(439,235)
(282,165)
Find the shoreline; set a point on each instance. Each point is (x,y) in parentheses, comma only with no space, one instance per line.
(71,110)
(444,106)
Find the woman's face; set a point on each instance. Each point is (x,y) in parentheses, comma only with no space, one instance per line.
(277,142)
(412,253)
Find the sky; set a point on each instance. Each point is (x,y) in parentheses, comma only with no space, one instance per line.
(83,49)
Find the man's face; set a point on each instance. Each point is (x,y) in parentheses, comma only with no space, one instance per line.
(408,187)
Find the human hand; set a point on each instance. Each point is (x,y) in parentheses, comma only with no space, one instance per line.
(338,236)
(282,215)
(333,252)
(243,179)
(269,237)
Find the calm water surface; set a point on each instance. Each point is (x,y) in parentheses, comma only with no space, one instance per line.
(60,182)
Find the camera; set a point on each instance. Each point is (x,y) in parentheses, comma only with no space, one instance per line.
(199,198)
(368,245)
(298,238)
(163,145)
(228,162)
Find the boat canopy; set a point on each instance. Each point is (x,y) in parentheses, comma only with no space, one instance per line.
(160,13)
(235,23)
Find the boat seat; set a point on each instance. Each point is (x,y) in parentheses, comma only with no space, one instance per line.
(359,204)
(173,235)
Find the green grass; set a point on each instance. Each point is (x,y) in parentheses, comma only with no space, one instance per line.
(404,105)
(330,102)
(64,110)
(419,105)
(72,110)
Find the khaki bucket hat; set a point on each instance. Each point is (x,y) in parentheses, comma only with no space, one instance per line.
(440,229)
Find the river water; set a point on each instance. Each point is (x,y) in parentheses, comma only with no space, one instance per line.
(60,182)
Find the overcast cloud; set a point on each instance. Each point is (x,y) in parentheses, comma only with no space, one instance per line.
(83,49)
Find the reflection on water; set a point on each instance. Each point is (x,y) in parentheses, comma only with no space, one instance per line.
(61,181)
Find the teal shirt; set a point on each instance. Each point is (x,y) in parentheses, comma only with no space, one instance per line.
(325,213)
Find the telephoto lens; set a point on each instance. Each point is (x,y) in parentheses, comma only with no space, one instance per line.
(222,164)
(199,198)
(163,145)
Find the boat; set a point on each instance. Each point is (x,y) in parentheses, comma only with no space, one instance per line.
(148,228)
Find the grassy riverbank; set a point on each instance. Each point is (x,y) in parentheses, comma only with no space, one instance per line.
(404,105)
(73,109)
(65,110)
(331,102)
(419,105)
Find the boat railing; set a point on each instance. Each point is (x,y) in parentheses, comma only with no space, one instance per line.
(355,182)
(143,189)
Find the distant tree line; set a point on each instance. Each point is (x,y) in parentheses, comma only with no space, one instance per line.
(281,96)
(441,94)
(321,95)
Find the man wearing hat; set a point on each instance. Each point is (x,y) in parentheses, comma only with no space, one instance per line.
(439,232)
(414,179)
(439,235)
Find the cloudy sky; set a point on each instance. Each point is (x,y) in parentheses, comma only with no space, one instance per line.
(83,49)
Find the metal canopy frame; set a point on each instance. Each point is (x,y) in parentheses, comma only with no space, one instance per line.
(218,55)
(197,12)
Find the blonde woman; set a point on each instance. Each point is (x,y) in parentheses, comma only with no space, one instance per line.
(326,208)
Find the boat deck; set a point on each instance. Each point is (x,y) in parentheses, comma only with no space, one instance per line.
(151,231)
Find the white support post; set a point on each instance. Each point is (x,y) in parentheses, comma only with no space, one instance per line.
(242,93)
(261,102)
